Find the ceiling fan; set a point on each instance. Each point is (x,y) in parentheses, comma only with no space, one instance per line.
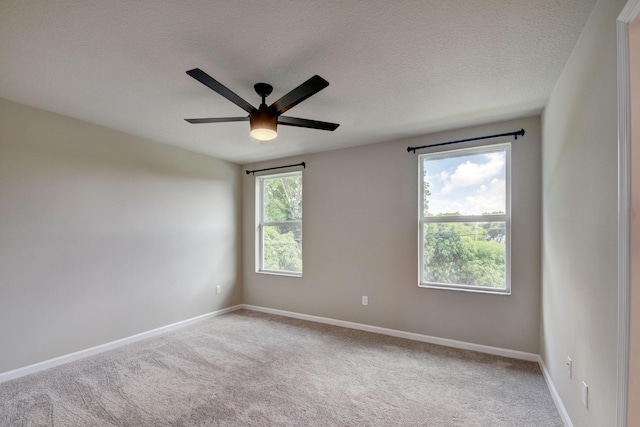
(264,120)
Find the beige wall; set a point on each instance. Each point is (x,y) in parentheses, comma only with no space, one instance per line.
(634,356)
(360,238)
(104,235)
(580,198)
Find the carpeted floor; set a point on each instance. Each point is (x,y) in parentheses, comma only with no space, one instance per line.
(252,369)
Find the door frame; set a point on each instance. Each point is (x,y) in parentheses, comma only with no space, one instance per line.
(628,14)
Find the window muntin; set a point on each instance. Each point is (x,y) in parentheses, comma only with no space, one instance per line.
(279,228)
(465,219)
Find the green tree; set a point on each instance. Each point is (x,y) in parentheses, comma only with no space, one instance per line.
(426,192)
(281,251)
(443,252)
(283,198)
(464,253)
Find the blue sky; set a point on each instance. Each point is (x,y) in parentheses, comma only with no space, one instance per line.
(470,183)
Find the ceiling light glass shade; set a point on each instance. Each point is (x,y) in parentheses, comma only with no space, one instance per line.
(263,126)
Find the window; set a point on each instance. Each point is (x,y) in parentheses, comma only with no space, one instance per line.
(279,220)
(465,219)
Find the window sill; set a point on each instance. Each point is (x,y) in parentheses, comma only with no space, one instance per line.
(491,291)
(280,273)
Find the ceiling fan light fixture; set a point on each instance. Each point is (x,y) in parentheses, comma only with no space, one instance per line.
(263,126)
(263,134)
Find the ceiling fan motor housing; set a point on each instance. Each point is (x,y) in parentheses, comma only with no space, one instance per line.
(264,124)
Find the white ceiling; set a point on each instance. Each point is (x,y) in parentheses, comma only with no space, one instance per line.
(396,68)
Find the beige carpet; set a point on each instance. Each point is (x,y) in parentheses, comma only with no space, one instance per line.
(252,369)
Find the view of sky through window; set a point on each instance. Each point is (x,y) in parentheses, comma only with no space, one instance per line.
(469,184)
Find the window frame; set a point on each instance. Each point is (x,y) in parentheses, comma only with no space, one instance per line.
(261,224)
(506,218)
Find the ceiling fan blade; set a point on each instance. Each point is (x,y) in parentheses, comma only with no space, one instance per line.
(312,86)
(305,123)
(219,120)
(215,85)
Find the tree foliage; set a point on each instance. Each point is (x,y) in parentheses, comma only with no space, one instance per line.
(281,250)
(283,198)
(465,253)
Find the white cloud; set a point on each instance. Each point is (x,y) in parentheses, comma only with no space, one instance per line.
(488,199)
(469,173)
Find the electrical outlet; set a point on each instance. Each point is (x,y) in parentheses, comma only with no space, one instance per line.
(585,394)
(569,366)
(365,300)
(218,289)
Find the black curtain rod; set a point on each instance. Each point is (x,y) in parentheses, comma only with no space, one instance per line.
(516,134)
(277,167)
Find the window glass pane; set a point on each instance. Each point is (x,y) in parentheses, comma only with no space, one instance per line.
(464,184)
(465,253)
(283,198)
(282,250)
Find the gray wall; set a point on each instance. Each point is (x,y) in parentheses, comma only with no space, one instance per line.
(360,238)
(579,282)
(104,235)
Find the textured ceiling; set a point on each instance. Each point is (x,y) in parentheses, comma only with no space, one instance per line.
(396,68)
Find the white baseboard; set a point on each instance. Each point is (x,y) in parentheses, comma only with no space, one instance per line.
(497,351)
(554,394)
(47,364)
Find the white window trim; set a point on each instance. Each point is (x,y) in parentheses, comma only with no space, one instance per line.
(444,153)
(260,224)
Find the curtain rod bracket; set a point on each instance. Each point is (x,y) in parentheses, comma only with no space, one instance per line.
(276,167)
(515,134)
